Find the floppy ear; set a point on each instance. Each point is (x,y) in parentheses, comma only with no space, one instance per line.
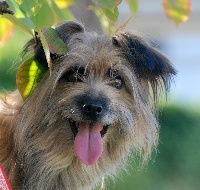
(147,61)
(64,31)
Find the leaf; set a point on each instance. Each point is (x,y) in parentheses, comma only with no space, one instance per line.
(46,49)
(51,43)
(64,3)
(44,17)
(15,8)
(30,7)
(108,25)
(23,23)
(112,13)
(177,10)
(28,76)
(67,13)
(4,8)
(6,30)
(60,14)
(55,43)
(22,57)
(107,3)
(134,6)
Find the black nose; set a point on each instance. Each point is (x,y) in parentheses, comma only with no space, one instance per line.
(92,109)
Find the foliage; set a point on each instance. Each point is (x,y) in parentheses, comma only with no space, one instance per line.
(28,14)
(178,11)
(28,76)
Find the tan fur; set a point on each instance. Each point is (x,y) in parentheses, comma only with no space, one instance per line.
(36,142)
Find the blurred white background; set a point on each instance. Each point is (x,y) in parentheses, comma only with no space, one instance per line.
(180,43)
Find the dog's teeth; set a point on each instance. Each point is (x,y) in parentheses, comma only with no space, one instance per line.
(101,128)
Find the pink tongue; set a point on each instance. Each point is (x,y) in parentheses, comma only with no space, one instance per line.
(88,143)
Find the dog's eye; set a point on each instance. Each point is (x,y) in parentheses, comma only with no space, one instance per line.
(116,80)
(119,82)
(74,75)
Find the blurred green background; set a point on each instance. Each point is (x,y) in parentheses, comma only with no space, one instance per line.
(9,59)
(176,166)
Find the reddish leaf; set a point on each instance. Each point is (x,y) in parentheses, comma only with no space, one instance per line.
(55,43)
(177,10)
(46,50)
(51,43)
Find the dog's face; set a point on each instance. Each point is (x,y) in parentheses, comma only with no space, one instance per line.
(94,109)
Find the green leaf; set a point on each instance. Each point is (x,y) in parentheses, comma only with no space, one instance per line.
(177,10)
(112,13)
(67,13)
(60,14)
(23,23)
(108,25)
(107,3)
(15,8)
(134,6)
(30,7)
(28,76)
(44,17)
(55,43)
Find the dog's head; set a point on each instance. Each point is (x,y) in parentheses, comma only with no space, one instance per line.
(96,106)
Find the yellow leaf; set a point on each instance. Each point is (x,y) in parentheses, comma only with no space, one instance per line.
(177,10)
(64,3)
(6,30)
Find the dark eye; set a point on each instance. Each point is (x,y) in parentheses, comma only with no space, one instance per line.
(74,75)
(118,82)
(115,80)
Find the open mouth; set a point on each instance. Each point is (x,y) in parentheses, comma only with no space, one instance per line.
(75,128)
(88,143)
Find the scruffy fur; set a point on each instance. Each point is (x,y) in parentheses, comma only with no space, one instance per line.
(123,74)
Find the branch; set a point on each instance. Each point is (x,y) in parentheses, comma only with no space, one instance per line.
(4,8)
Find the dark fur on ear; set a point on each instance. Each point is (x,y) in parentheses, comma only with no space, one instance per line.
(147,61)
(65,31)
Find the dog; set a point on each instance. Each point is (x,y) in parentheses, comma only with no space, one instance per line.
(83,121)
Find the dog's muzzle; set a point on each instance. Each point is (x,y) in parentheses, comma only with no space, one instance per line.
(89,131)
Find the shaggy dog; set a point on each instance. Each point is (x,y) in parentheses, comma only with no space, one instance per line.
(83,121)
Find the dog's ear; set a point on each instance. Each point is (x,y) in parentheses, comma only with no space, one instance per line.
(64,31)
(147,61)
